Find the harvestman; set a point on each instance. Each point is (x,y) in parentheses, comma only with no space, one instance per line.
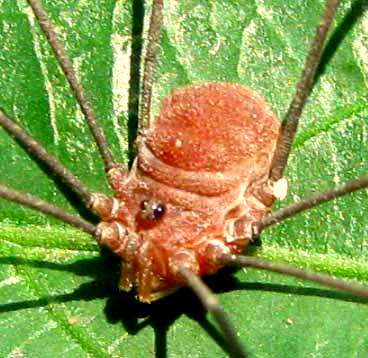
(157,273)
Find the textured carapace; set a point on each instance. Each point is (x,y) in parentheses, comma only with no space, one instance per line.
(202,164)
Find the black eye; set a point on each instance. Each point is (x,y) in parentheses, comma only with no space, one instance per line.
(159,211)
(152,210)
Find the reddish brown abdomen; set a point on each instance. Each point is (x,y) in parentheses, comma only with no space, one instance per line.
(212,127)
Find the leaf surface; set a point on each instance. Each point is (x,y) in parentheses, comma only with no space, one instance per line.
(58,295)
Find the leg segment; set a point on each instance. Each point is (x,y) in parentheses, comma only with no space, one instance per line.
(35,148)
(69,72)
(245,261)
(210,302)
(290,123)
(46,208)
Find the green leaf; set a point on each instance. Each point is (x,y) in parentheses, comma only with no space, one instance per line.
(58,296)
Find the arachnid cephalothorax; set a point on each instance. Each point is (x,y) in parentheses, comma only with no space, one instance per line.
(208,168)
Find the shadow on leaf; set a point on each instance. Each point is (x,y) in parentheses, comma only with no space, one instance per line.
(160,315)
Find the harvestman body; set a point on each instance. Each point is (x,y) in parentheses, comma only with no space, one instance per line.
(201,185)
(232,134)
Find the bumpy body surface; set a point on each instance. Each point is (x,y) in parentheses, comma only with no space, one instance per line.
(198,183)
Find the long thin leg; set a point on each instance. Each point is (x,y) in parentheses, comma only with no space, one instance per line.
(246,261)
(210,302)
(47,159)
(46,208)
(69,72)
(312,201)
(150,63)
(290,123)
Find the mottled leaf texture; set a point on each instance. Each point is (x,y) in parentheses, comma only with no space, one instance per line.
(58,296)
